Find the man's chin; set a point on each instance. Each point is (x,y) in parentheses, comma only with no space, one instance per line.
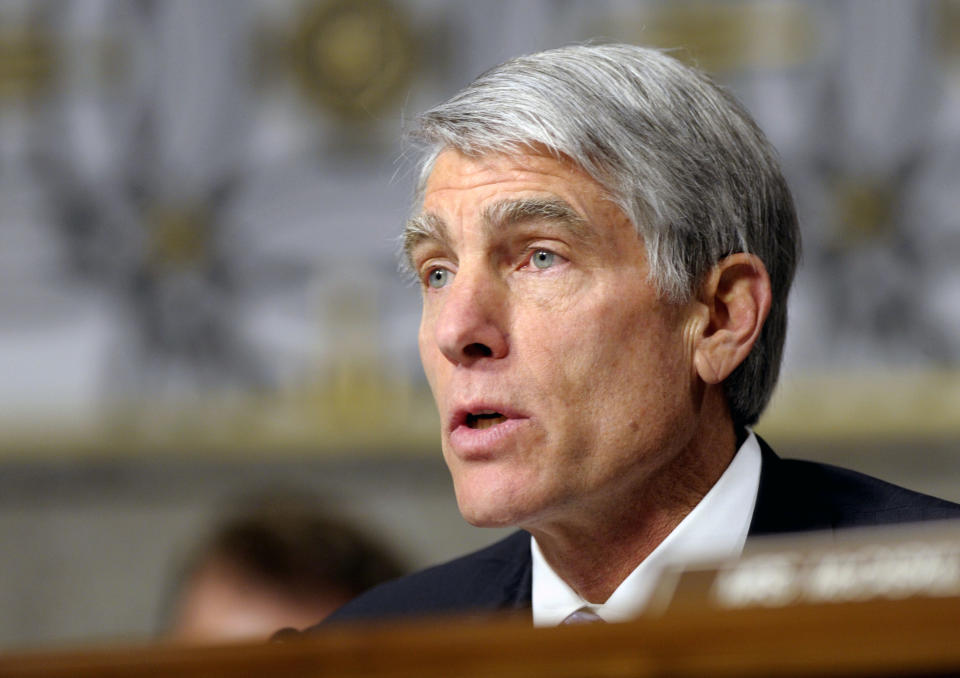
(489,513)
(488,499)
(480,517)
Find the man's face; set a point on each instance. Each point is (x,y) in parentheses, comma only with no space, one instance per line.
(221,602)
(562,380)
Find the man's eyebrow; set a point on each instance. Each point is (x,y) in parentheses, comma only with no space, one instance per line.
(499,215)
(423,227)
(512,212)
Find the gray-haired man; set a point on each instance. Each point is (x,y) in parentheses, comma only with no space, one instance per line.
(605,244)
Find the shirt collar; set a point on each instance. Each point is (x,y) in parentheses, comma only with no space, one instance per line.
(716,528)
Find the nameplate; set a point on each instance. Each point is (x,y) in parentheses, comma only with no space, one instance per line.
(906,561)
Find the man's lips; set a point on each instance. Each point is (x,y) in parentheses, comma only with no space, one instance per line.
(482,416)
(478,430)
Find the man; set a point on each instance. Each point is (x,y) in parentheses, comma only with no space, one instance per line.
(605,244)
(280,560)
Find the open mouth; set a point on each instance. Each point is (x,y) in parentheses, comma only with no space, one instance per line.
(482,420)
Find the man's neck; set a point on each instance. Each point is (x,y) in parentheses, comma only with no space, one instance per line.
(596,554)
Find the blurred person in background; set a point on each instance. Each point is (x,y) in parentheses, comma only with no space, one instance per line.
(605,244)
(279,562)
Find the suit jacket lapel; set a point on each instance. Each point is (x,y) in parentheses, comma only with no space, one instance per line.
(784,502)
(517,590)
(507,575)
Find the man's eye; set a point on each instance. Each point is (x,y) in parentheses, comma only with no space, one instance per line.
(543,259)
(439,277)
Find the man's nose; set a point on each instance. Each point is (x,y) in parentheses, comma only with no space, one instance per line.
(470,324)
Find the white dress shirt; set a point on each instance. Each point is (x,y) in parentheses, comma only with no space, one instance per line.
(716,528)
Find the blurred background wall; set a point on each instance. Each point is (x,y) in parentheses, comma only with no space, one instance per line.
(199,294)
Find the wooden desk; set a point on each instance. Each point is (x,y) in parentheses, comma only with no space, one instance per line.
(874,638)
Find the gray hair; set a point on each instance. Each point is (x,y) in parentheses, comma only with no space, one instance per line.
(676,152)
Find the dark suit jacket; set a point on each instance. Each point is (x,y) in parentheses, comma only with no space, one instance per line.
(794,496)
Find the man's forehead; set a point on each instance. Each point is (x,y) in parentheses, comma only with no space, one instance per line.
(455,170)
(505,184)
(500,190)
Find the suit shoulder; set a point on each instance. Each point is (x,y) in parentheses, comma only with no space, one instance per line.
(478,581)
(859,499)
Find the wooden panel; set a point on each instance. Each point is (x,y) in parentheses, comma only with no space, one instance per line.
(919,636)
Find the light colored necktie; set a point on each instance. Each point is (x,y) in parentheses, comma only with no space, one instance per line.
(583,616)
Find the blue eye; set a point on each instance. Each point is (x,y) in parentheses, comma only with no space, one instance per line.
(543,259)
(439,277)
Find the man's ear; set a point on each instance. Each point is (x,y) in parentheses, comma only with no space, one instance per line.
(735,300)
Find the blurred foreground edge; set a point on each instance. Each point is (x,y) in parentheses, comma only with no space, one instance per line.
(872,603)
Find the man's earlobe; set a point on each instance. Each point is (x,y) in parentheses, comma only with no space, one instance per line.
(737,296)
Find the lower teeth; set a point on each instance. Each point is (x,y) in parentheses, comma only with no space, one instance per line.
(487,422)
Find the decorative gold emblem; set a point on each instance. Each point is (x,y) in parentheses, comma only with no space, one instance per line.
(865,210)
(721,37)
(353,57)
(948,27)
(27,63)
(178,236)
